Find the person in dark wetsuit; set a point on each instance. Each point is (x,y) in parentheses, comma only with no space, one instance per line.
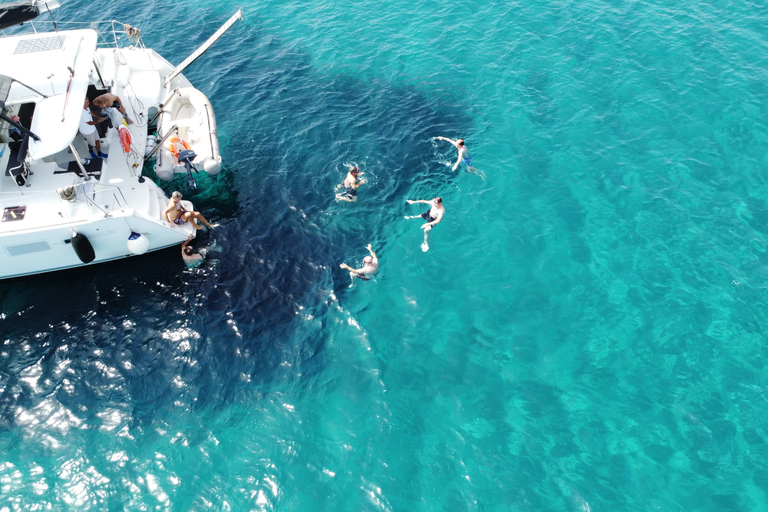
(433,216)
(351,184)
(369,269)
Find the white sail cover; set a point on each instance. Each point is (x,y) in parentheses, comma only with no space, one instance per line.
(57,83)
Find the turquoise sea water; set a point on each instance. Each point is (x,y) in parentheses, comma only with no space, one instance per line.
(585,333)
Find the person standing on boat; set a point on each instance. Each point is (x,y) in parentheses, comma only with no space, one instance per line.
(433,216)
(88,128)
(14,132)
(177,215)
(108,100)
(351,184)
(369,269)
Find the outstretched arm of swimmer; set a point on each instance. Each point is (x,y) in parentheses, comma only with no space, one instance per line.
(458,160)
(355,270)
(373,254)
(412,201)
(184,244)
(448,140)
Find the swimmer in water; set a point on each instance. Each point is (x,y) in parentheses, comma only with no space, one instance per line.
(463,156)
(369,269)
(433,216)
(192,258)
(351,184)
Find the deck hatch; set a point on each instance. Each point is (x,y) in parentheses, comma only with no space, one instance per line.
(14,213)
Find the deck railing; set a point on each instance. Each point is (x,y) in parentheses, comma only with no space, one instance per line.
(97,198)
(112,34)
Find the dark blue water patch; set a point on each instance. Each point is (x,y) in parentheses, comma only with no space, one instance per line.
(287,133)
(63,296)
(82,321)
(306,127)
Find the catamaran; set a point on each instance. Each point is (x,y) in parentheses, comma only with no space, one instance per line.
(64,202)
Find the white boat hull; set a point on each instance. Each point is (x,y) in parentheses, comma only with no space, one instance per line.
(48,85)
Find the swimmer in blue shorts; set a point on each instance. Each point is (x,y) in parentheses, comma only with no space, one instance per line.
(463,157)
(350,185)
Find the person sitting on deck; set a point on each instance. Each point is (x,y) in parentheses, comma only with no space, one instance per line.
(177,215)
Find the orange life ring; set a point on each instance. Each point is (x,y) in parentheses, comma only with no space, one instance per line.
(176,145)
(125,139)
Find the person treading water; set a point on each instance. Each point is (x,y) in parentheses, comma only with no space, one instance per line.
(433,216)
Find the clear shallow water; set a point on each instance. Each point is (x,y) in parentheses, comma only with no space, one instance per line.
(586,332)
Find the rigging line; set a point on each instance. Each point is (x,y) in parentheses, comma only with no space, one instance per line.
(50,12)
(71,77)
(244,19)
(135,97)
(230,4)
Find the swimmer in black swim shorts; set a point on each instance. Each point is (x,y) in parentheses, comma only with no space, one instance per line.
(351,184)
(433,216)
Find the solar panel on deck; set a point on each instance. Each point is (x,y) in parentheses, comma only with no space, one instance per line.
(43,44)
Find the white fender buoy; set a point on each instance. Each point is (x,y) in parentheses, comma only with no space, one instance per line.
(212,166)
(138,243)
(151,143)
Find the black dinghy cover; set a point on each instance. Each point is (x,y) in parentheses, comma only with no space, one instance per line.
(15,13)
